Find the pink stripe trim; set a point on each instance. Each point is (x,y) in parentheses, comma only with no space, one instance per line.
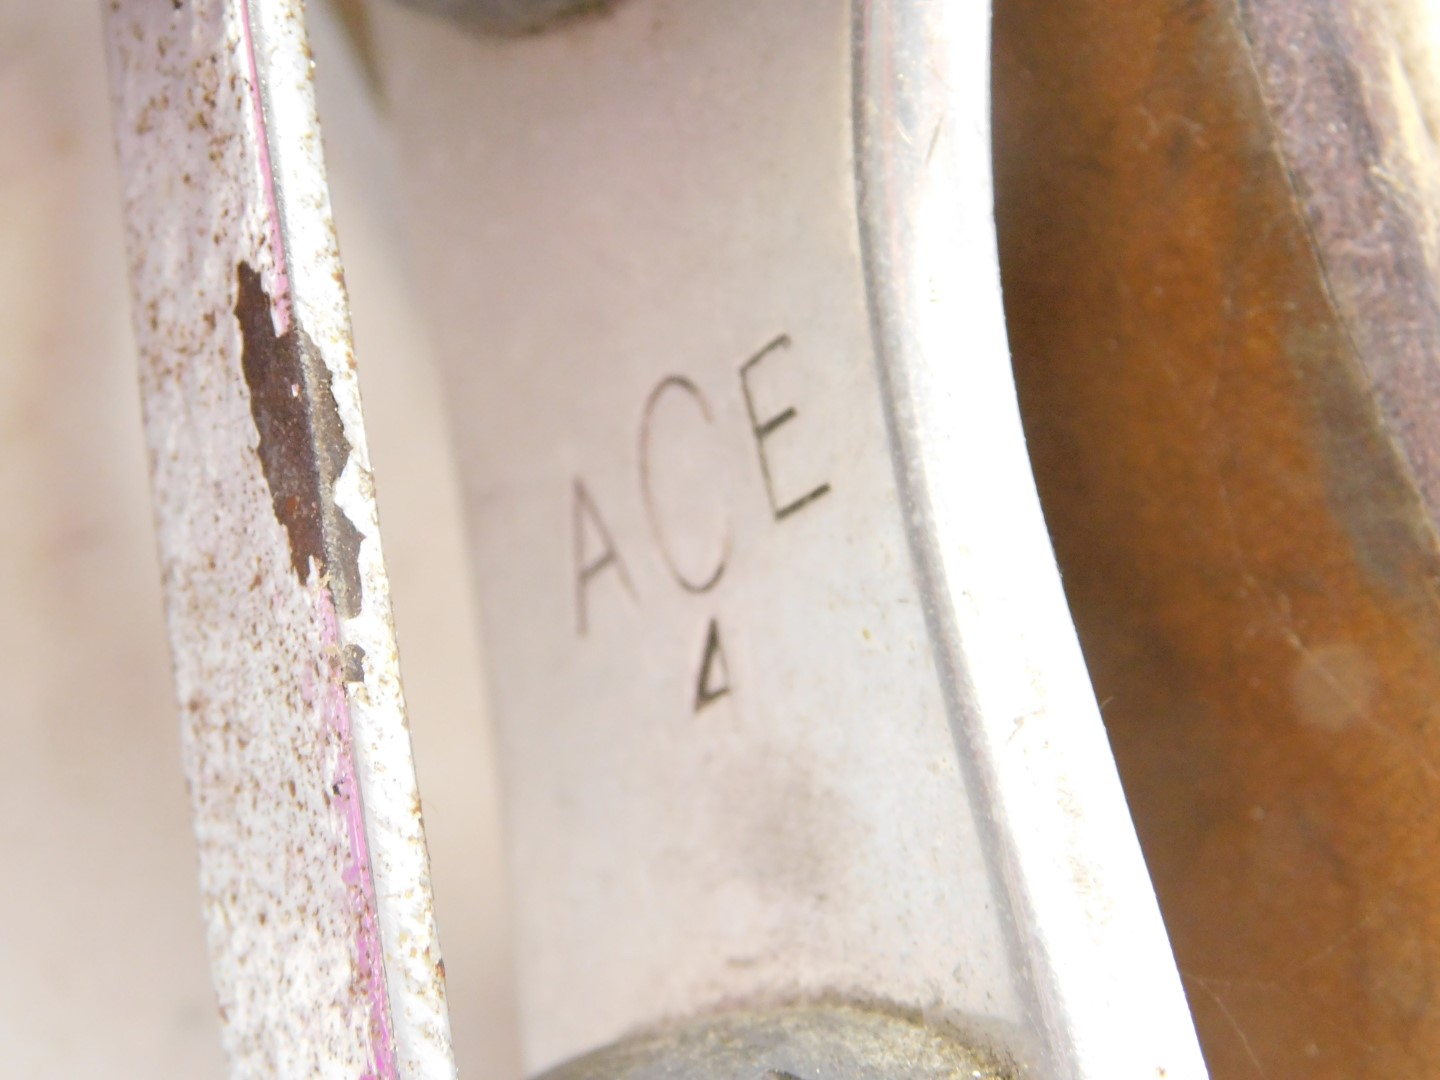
(280,291)
(360,885)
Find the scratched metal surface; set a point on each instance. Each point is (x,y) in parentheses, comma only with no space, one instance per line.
(1349,110)
(1220,337)
(296,751)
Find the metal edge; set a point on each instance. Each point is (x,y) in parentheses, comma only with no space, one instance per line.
(1107,998)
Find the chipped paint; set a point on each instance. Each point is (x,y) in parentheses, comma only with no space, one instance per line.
(302,446)
(313,872)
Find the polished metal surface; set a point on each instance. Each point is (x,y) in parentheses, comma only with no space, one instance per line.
(790,704)
(1102,992)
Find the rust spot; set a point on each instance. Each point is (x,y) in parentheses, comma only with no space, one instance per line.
(302,441)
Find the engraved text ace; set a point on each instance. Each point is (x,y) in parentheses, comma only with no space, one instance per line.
(601,557)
